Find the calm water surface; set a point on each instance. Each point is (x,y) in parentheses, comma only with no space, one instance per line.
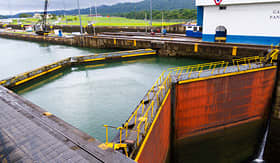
(21,56)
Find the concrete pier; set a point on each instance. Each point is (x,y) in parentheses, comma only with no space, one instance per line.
(30,134)
(177,28)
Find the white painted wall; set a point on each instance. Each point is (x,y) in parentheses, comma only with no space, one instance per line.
(250,20)
(229,2)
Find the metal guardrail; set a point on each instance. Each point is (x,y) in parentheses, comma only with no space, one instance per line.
(121,54)
(143,115)
(22,78)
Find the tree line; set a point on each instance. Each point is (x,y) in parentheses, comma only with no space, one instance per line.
(186,14)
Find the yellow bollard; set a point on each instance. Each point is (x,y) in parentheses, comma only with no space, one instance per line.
(196,48)
(115,41)
(234,51)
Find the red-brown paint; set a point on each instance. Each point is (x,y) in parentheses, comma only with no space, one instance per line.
(205,105)
(158,143)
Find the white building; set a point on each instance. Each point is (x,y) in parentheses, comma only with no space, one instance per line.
(39,16)
(240,21)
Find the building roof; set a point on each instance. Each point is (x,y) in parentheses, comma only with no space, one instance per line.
(232,2)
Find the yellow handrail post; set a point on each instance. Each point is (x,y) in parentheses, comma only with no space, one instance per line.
(238,66)
(106,126)
(226,67)
(197,67)
(146,125)
(188,69)
(157,99)
(138,130)
(199,73)
(166,84)
(136,116)
(152,113)
(213,69)
(126,129)
(170,81)
(190,72)
(142,106)
(161,92)
(249,63)
(120,128)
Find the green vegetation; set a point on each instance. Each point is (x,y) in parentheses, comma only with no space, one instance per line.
(132,7)
(99,21)
(186,14)
(144,5)
(2,17)
(54,17)
(25,15)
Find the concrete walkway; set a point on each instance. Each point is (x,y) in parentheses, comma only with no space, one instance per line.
(26,135)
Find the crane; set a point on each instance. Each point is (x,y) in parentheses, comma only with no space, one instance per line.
(41,29)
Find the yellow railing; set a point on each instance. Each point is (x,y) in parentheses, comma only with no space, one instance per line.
(247,61)
(142,105)
(178,71)
(35,73)
(273,55)
(147,119)
(275,46)
(144,114)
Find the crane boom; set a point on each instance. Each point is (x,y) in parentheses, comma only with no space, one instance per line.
(45,16)
(41,29)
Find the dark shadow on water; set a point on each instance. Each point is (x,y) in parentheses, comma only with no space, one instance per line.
(238,144)
(272,151)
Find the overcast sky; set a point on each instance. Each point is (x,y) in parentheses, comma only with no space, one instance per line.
(16,6)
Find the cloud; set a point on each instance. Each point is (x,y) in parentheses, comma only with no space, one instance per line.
(16,6)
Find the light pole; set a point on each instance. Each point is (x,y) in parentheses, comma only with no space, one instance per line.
(151,13)
(95,10)
(146,24)
(64,15)
(81,27)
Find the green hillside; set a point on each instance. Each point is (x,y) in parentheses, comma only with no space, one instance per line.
(145,5)
(130,7)
(182,14)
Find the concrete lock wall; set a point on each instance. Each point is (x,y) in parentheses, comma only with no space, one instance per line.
(191,49)
(178,28)
(206,105)
(157,142)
